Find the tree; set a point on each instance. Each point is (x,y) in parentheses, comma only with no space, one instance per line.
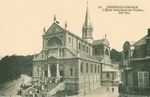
(11,67)
(115,55)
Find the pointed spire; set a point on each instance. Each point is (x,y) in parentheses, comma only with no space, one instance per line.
(65,24)
(87,17)
(87,28)
(44,29)
(105,36)
(54,18)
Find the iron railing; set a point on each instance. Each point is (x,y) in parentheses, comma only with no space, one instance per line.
(135,90)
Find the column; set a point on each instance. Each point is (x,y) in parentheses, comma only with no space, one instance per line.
(57,73)
(49,72)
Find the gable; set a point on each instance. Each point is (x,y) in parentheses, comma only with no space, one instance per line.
(70,53)
(106,42)
(54,28)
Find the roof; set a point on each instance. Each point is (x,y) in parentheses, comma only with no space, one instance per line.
(87,56)
(100,42)
(38,56)
(132,42)
(140,48)
(83,55)
(141,41)
(96,42)
(109,69)
(77,36)
(139,51)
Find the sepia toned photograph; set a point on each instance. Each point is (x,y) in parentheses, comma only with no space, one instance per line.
(74,48)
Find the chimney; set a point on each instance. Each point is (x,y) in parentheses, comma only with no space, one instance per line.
(148,33)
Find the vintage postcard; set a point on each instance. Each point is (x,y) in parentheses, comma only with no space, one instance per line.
(74,48)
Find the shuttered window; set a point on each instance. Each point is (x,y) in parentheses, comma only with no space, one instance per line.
(143,79)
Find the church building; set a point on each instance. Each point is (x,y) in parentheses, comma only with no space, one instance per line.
(76,61)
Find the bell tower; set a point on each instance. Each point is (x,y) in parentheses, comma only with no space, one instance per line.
(87,29)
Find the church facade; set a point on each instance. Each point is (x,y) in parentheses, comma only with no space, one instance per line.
(69,58)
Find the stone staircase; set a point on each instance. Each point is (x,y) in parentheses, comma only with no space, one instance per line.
(59,87)
(47,89)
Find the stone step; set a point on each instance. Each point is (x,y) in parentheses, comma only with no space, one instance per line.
(48,88)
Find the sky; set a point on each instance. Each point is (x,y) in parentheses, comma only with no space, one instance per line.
(22,22)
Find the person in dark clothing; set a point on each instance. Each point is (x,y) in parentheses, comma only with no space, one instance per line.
(36,95)
(20,92)
(107,89)
(113,89)
(43,95)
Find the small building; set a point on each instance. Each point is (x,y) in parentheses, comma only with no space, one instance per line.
(110,75)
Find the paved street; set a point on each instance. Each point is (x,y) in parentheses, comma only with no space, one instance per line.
(12,89)
(102,92)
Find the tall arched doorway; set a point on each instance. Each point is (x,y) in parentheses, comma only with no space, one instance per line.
(53,70)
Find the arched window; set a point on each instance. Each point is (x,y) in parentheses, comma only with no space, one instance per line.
(54,41)
(69,40)
(95,51)
(87,68)
(83,48)
(71,72)
(95,68)
(91,68)
(37,72)
(106,52)
(107,75)
(126,54)
(87,49)
(81,68)
(79,46)
(61,52)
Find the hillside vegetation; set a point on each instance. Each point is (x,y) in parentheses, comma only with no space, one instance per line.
(11,67)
